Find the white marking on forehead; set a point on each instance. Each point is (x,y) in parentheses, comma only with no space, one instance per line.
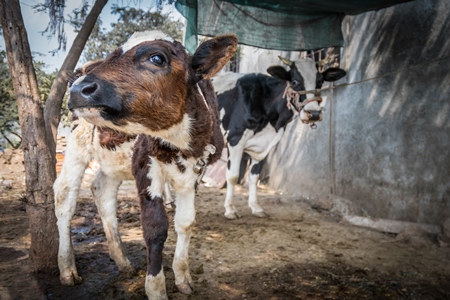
(312,106)
(307,68)
(144,36)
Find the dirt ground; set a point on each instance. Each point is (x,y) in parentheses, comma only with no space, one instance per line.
(299,252)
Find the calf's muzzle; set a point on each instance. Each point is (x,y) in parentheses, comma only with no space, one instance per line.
(91,92)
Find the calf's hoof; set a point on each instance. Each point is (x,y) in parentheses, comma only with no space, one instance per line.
(161,296)
(70,280)
(184,288)
(127,272)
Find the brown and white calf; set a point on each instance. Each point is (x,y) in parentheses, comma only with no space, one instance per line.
(153,88)
(112,151)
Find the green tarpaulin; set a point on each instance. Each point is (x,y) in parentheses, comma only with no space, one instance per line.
(273,24)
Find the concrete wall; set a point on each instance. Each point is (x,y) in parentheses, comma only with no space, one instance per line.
(257,60)
(384,143)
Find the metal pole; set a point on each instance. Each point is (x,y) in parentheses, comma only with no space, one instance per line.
(331,144)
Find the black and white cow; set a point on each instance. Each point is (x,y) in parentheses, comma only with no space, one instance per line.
(154,89)
(255,110)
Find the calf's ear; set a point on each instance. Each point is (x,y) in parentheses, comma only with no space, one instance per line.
(212,55)
(279,72)
(333,74)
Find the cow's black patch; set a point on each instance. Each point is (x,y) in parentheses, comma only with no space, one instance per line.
(256,169)
(254,102)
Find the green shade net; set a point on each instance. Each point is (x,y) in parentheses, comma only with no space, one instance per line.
(273,24)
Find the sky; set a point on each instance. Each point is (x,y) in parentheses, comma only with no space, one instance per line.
(36,22)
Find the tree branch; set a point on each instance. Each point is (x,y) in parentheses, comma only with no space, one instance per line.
(52,110)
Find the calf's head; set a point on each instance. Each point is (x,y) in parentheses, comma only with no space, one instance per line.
(142,87)
(302,76)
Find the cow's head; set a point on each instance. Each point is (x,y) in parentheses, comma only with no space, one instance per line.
(304,82)
(142,87)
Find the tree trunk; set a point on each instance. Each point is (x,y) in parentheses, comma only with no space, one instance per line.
(52,112)
(39,165)
(39,129)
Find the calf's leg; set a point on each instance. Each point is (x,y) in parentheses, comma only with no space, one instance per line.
(104,189)
(168,199)
(66,188)
(154,220)
(184,219)
(155,225)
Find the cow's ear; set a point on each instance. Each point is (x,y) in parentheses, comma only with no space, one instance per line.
(333,74)
(212,55)
(279,72)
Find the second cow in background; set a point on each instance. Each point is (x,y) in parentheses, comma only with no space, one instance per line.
(255,110)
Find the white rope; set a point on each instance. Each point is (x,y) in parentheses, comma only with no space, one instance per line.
(293,96)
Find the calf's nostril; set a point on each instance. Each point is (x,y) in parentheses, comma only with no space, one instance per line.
(89,89)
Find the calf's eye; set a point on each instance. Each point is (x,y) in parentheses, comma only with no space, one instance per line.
(157,60)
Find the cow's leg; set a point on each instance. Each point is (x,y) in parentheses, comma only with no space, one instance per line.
(155,225)
(253,177)
(66,188)
(184,219)
(234,162)
(104,189)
